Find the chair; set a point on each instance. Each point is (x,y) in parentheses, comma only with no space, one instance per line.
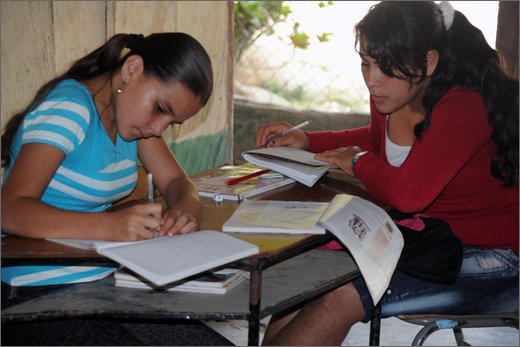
(434,322)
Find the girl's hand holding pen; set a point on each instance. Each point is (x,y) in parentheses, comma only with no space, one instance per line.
(272,135)
(138,222)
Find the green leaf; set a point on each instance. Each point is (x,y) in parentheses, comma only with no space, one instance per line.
(300,39)
(285,11)
(324,37)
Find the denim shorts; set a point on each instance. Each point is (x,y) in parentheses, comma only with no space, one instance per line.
(487,283)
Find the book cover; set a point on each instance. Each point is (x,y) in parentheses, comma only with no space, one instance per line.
(370,235)
(295,163)
(270,216)
(211,282)
(172,258)
(213,182)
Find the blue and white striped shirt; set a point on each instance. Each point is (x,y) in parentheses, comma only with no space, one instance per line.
(95,172)
(93,175)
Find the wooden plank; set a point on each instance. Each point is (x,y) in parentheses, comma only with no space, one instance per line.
(72,40)
(207,21)
(144,17)
(27,52)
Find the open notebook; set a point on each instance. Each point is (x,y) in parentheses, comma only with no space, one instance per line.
(171,258)
(295,163)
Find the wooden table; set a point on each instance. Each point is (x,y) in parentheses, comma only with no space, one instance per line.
(286,273)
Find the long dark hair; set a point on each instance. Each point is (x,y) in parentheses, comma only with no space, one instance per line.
(399,34)
(166,56)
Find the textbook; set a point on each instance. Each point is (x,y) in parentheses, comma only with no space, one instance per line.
(212,183)
(272,216)
(211,282)
(171,258)
(365,229)
(295,163)
(371,236)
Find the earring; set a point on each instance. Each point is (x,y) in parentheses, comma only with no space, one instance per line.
(119,91)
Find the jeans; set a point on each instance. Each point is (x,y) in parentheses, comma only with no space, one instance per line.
(487,283)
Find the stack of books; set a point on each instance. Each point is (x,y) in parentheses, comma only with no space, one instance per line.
(218,282)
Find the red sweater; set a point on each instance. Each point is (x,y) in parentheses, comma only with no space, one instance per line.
(446,174)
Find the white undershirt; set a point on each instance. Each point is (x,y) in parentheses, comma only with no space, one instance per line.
(395,154)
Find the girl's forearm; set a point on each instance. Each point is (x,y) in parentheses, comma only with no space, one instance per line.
(32,218)
(182,193)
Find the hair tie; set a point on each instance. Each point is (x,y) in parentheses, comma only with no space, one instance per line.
(133,41)
(447,13)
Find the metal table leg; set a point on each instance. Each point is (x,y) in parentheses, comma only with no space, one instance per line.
(255,295)
(375,326)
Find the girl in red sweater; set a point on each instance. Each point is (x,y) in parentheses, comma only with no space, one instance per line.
(443,142)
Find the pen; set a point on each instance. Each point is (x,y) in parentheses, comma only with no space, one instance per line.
(150,187)
(150,198)
(285,132)
(246,177)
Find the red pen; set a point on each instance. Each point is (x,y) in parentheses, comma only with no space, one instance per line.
(246,177)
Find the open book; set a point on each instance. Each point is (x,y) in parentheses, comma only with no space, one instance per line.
(212,183)
(273,216)
(171,258)
(370,235)
(211,282)
(295,163)
(364,228)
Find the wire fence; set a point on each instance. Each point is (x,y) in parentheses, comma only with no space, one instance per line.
(323,76)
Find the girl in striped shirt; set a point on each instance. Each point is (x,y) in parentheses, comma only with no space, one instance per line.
(74,150)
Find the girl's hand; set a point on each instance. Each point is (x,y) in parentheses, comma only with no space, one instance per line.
(342,157)
(138,222)
(178,222)
(296,138)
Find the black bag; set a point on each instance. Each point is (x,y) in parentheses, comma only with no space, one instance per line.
(433,254)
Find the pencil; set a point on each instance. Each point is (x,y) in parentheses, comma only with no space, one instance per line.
(246,177)
(285,132)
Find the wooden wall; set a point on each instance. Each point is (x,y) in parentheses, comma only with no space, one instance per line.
(40,39)
(507,34)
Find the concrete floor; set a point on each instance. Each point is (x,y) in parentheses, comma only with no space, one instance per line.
(394,332)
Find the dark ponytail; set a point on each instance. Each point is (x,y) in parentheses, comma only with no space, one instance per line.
(166,56)
(469,61)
